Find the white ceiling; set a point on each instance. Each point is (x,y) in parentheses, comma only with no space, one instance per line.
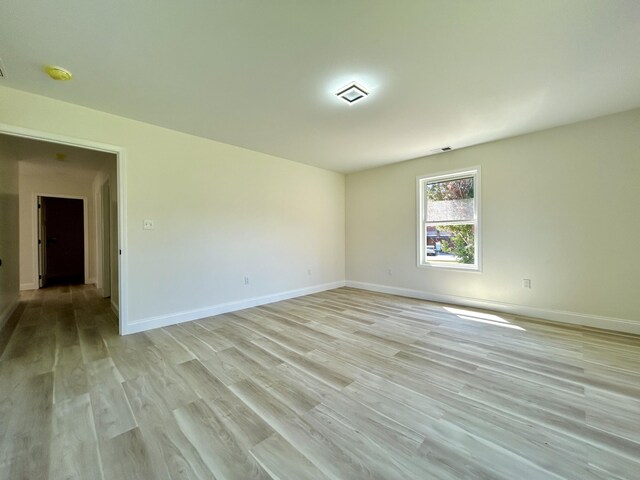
(261,73)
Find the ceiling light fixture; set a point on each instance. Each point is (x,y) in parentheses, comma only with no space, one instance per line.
(352,93)
(58,73)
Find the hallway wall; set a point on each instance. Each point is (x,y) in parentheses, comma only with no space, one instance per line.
(108,173)
(9,228)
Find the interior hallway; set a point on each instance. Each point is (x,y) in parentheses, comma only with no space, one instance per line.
(342,384)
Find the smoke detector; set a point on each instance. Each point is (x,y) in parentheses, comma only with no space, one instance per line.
(58,73)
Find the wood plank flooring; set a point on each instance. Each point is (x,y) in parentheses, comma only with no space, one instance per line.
(343,384)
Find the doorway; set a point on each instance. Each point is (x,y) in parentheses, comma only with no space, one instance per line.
(111,173)
(61,240)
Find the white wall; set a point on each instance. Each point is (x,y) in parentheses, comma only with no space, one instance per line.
(9,245)
(560,207)
(107,174)
(33,184)
(221,213)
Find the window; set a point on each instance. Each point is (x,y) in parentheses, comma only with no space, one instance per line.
(448,227)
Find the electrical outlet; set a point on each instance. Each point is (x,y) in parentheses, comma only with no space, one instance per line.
(246,280)
(147,224)
(309,271)
(526,283)
(389,272)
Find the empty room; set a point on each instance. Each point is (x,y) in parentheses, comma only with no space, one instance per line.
(276,239)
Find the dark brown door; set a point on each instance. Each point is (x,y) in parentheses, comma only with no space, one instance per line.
(62,232)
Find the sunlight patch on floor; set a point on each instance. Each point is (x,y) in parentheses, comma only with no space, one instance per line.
(482,317)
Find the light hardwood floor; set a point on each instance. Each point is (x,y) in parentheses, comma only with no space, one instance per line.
(344,384)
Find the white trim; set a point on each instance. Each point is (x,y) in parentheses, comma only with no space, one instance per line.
(90,281)
(116,310)
(121,179)
(106,250)
(123,264)
(562,316)
(85,216)
(28,286)
(474,171)
(55,138)
(96,204)
(189,315)
(7,312)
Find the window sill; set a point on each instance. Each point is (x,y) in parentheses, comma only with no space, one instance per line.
(458,267)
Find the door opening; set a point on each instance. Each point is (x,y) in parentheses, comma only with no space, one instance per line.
(114,172)
(61,241)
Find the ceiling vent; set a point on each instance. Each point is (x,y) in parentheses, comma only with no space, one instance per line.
(352,93)
(439,150)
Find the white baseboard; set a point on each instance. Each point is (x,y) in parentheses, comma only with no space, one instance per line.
(90,281)
(187,316)
(562,316)
(7,312)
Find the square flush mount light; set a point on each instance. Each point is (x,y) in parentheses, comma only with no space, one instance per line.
(352,93)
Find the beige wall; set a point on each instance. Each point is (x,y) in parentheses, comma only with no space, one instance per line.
(559,207)
(221,212)
(9,270)
(32,185)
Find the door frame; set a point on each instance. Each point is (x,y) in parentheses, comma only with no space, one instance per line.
(103,231)
(121,183)
(38,225)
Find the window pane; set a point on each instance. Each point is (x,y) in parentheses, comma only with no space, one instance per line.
(451,243)
(450,200)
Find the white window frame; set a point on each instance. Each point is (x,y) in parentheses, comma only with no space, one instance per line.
(423,260)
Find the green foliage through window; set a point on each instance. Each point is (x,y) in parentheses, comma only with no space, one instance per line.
(462,243)
(450,190)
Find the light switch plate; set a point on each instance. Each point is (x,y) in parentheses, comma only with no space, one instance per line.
(147,224)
